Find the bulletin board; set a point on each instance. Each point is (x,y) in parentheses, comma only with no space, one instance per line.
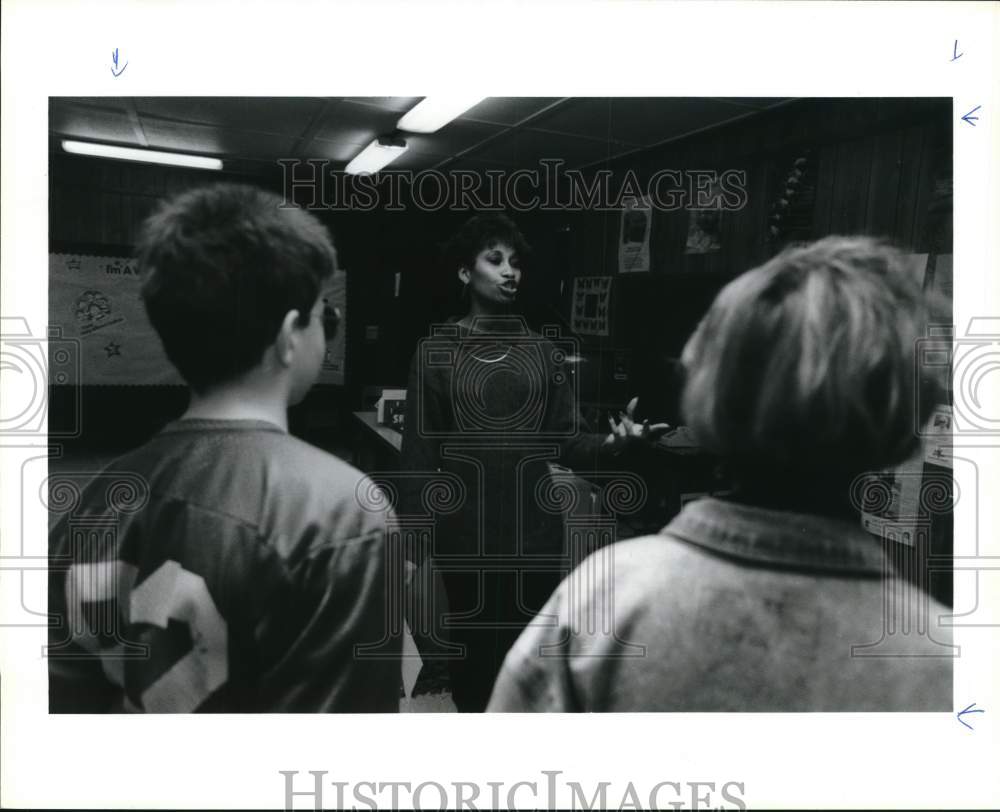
(95,302)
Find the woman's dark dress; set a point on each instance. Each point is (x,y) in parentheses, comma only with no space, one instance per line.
(488,410)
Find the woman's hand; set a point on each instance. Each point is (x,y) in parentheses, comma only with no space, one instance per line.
(626,431)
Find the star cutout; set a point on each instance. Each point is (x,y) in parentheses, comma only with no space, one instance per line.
(113,348)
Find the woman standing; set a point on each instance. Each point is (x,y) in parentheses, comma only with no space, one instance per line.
(490,404)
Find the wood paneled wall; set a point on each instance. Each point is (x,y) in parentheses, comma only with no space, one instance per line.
(102,203)
(881,167)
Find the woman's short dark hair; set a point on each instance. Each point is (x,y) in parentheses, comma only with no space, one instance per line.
(223,265)
(806,365)
(480,232)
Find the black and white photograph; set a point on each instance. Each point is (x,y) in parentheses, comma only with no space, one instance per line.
(478,514)
(506,415)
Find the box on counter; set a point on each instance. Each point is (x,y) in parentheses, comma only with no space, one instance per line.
(391,408)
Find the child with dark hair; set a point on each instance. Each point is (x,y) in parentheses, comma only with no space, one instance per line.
(243,576)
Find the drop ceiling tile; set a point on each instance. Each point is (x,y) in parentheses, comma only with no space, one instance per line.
(641,121)
(397,104)
(416,161)
(526,147)
(356,123)
(285,115)
(508,110)
(341,150)
(92,123)
(757,103)
(476,165)
(105,102)
(216,141)
(453,138)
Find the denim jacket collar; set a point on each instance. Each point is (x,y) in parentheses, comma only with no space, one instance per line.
(778,538)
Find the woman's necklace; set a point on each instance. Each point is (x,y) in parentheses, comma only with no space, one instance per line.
(492,360)
(479,358)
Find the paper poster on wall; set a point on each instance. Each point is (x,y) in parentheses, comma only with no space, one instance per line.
(95,300)
(633,242)
(894,497)
(622,364)
(333,362)
(920,267)
(591,311)
(937,438)
(943,282)
(704,227)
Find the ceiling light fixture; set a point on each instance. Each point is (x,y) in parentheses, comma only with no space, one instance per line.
(380,152)
(436,111)
(146,156)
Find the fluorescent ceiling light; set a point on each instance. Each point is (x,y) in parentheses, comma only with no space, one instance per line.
(146,156)
(436,111)
(377,154)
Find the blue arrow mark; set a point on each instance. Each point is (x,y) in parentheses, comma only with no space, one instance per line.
(968,118)
(956,53)
(969,709)
(117,72)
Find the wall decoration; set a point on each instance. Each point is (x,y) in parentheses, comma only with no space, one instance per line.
(591,308)
(939,277)
(894,496)
(622,364)
(937,442)
(704,225)
(333,369)
(633,242)
(94,301)
(791,217)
